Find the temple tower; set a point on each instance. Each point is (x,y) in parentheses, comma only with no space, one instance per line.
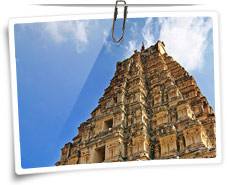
(152,109)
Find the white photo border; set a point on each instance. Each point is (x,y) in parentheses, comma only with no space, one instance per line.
(17,153)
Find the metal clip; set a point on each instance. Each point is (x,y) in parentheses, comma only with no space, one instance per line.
(115,18)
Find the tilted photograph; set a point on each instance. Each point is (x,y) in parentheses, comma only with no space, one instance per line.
(83,99)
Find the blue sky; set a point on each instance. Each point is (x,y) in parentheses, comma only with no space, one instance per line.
(63,68)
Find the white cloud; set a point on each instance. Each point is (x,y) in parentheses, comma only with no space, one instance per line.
(78,32)
(54,31)
(130,48)
(107,43)
(186,39)
(147,32)
(132,44)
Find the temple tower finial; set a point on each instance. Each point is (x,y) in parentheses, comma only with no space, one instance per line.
(142,48)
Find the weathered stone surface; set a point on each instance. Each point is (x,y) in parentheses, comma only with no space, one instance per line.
(152,109)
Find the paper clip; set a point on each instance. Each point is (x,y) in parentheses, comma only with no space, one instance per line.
(115,18)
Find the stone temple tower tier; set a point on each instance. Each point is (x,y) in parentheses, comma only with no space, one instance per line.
(152,109)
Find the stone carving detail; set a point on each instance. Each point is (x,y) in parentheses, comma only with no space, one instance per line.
(162,117)
(152,109)
(168,146)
